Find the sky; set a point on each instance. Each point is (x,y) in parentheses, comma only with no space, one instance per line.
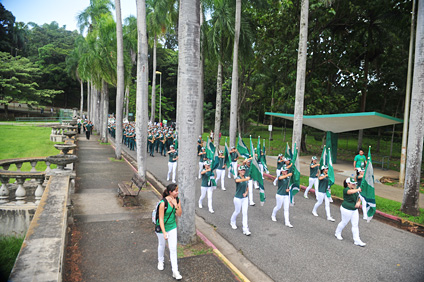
(64,12)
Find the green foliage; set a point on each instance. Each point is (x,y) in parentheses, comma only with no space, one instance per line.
(9,250)
(17,81)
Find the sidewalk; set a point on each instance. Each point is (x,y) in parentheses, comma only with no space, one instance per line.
(114,243)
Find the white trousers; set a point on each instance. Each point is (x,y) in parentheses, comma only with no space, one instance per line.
(278,171)
(240,204)
(172,245)
(220,173)
(200,169)
(353,217)
(282,200)
(322,197)
(209,191)
(250,186)
(172,167)
(312,182)
(234,166)
(364,207)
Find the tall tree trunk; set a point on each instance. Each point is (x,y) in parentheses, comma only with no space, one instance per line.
(202,74)
(189,75)
(301,73)
(234,81)
(218,105)
(88,99)
(153,105)
(120,85)
(142,89)
(127,101)
(82,97)
(416,128)
(407,97)
(104,111)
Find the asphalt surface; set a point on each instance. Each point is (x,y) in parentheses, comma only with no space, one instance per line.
(309,251)
(118,243)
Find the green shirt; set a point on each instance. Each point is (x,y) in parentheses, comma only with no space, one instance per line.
(234,156)
(349,201)
(280,164)
(170,223)
(221,163)
(202,158)
(205,178)
(323,184)
(313,171)
(283,184)
(172,156)
(240,188)
(360,161)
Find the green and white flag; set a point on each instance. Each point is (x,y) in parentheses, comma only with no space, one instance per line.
(331,178)
(324,160)
(255,174)
(258,149)
(264,159)
(215,160)
(228,157)
(242,148)
(295,178)
(210,149)
(367,186)
(288,153)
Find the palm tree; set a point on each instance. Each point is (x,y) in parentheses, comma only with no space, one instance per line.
(234,82)
(88,18)
(142,88)
(120,80)
(188,120)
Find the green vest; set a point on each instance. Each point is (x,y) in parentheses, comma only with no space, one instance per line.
(313,171)
(240,189)
(349,200)
(323,185)
(283,184)
(170,223)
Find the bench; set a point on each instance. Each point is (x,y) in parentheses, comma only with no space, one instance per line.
(132,189)
(384,161)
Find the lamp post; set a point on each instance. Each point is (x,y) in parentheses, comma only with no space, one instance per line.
(160,95)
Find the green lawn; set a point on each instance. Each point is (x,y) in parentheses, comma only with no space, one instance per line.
(9,249)
(26,142)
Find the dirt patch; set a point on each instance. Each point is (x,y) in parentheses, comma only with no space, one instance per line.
(73,256)
(195,249)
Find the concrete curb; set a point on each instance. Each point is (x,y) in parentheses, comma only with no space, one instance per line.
(393,220)
(254,272)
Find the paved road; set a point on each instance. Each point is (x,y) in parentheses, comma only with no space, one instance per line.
(309,251)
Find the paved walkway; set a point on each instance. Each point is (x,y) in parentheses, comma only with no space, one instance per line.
(116,243)
(309,251)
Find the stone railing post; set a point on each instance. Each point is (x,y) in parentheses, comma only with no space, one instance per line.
(4,192)
(18,166)
(33,164)
(39,191)
(20,191)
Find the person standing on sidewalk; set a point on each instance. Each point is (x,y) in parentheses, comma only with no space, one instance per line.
(321,195)
(283,196)
(241,200)
(168,228)
(360,160)
(172,163)
(88,126)
(349,211)
(313,177)
(207,185)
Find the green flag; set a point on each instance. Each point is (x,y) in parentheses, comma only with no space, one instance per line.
(367,186)
(210,149)
(258,148)
(287,152)
(295,178)
(264,159)
(255,174)
(331,178)
(324,160)
(242,148)
(215,160)
(228,157)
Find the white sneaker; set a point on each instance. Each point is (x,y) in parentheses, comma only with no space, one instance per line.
(314,213)
(160,265)
(330,199)
(331,219)
(233,225)
(167,179)
(289,225)
(338,236)
(305,196)
(273,218)
(247,233)
(360,243)
(275,184)
(211,211)
(252,204)
(173,181)
(177,275)
(223,189)
(200,206)
(292,204)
